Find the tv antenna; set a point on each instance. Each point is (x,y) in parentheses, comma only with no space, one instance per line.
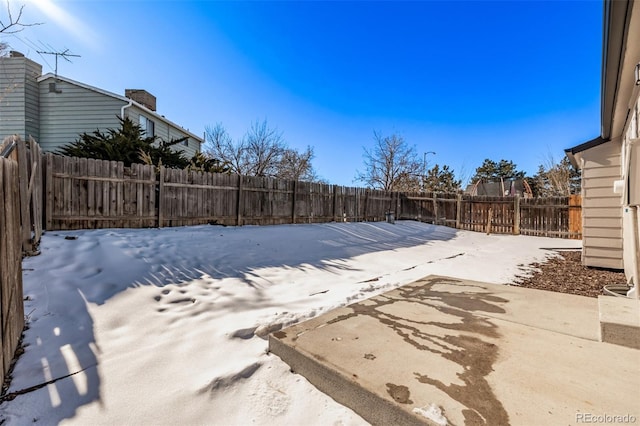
(64,55)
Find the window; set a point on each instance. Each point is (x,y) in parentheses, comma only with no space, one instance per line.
(185,142)
(147,126)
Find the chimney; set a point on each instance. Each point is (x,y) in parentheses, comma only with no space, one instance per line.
(20,104)
(142,97)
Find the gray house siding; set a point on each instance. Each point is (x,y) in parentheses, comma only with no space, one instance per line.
(55,110)
(19,97)
(71,110)
(601,207)
(190,146)
(164,130)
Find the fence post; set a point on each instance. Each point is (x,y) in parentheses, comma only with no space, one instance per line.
(160,197)
(293,202)
(516,215)
(458,210)
(489,220)
(49,191)
(396,204)
(335,203)
(310,215)
(239,204)
(435,208)
(35,191)
(366,195)
(575,217)
(25,211)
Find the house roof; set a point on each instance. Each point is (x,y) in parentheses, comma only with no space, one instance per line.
(122,98)
(570,152)
(619,59)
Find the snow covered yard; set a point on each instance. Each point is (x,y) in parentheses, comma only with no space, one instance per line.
(167,326)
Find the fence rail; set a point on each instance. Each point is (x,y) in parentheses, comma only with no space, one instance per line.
(84,193)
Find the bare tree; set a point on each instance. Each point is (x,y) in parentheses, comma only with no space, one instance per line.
(220,145)
(12,24)
(392,165)
(264,147)
(261,152)
(556,179)
(258,153)
(464,175)
(295,165)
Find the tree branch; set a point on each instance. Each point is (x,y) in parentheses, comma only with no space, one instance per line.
(14,25)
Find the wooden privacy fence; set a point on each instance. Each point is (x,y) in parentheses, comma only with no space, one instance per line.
(28,157)
(20,232)
(548,217)
(552,217)
(86,193)
(12,311)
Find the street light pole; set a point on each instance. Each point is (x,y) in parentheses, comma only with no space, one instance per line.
(424,169)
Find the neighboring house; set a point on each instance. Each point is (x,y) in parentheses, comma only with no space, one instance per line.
(55,110)
(611,163)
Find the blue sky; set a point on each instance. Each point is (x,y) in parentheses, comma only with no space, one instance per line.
(469,80)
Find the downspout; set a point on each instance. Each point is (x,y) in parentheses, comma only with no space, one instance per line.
(634,292)
(605,123)
(125,107)
(635,235)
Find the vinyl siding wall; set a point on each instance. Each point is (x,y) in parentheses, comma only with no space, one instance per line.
(72,110)
(165,131)
(601,207)
(19,105)
(57,117)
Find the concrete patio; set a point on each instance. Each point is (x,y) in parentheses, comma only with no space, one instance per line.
(443,350)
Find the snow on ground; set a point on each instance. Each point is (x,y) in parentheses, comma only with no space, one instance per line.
(168,326)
